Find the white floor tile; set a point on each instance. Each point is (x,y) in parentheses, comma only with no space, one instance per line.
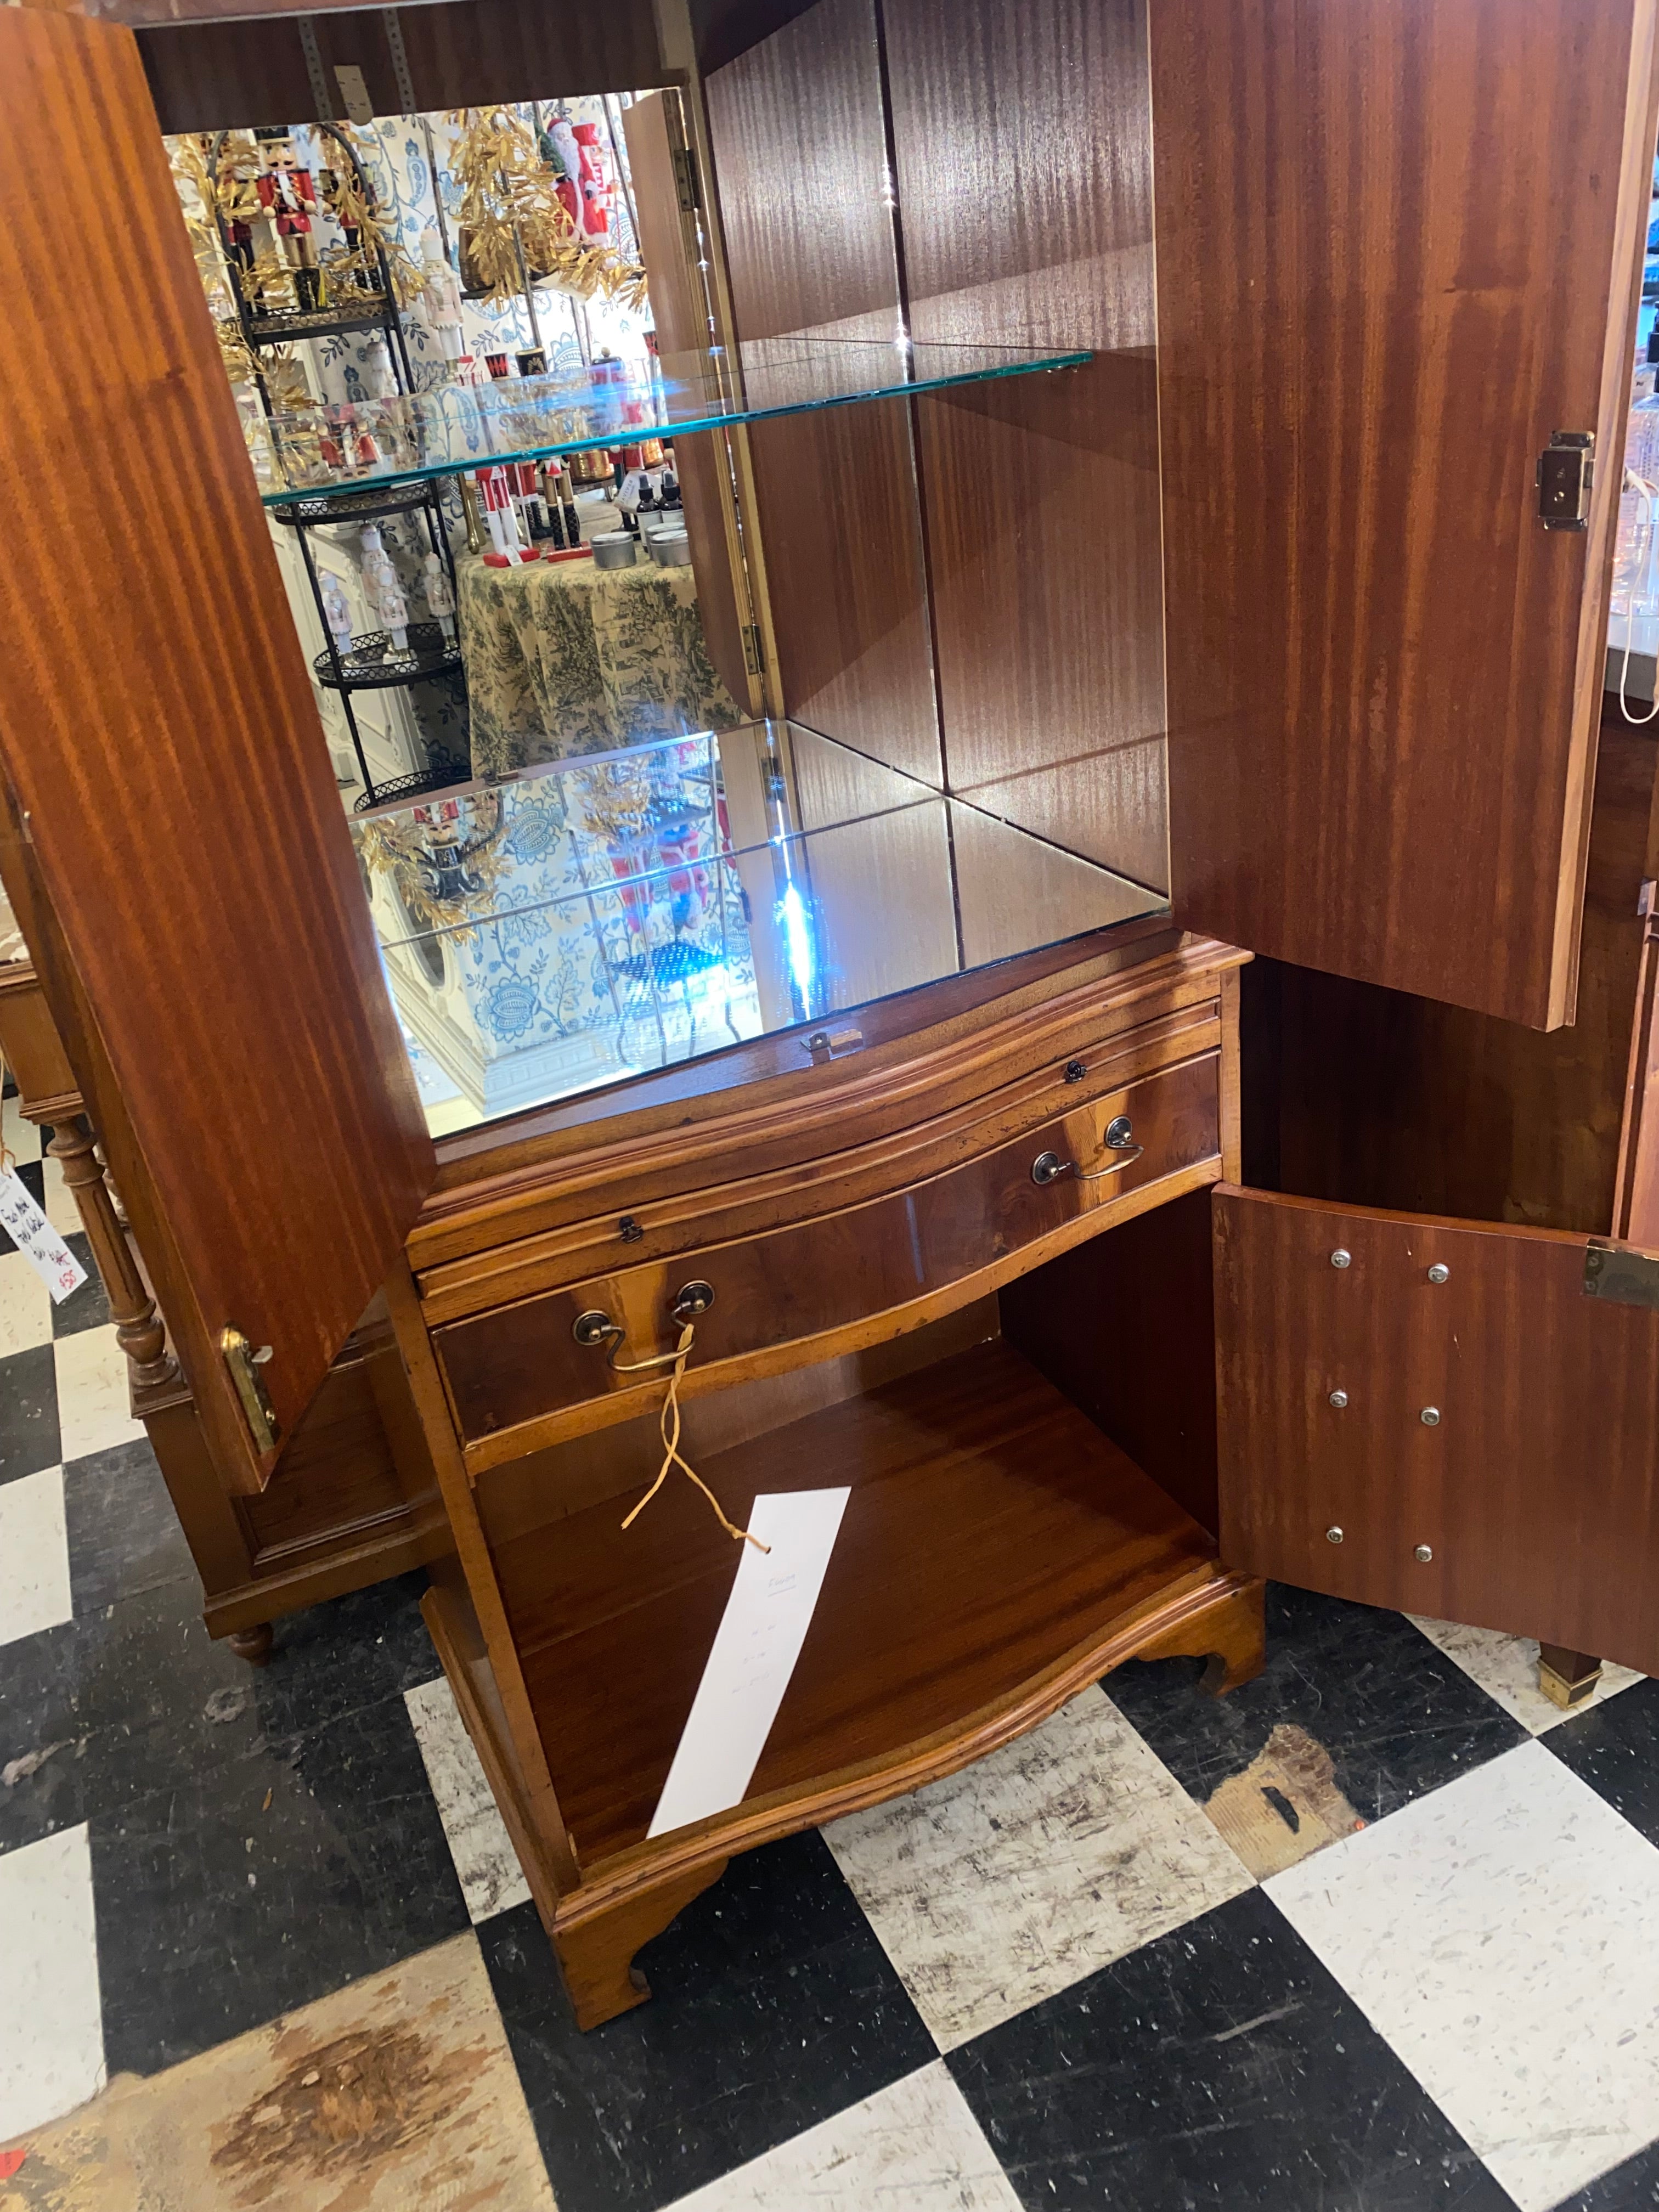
(92,1402)
(22,1138)
(912,2148)
(1503,1934)
(34,1569)
(25,1306)
(52,2037)
(61,1210)
(491,1879)
(1506,1668)
(1056,1855)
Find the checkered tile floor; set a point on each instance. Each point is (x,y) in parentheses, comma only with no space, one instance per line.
(1380,1930)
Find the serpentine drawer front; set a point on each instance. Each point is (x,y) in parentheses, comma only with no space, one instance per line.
(519,1378)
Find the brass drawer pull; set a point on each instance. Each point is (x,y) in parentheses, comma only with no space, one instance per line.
(595,1329)
(1048,1167)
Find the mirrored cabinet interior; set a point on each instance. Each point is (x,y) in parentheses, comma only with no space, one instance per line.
(857,750)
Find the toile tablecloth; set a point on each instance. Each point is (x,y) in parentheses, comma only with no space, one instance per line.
(562,658)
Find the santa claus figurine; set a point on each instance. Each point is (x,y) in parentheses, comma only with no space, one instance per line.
(288,198)
(585,188)
(383,591)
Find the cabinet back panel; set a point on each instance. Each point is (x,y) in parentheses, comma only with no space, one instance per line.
(1398,248)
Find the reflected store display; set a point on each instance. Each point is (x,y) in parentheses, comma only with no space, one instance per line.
(572,925)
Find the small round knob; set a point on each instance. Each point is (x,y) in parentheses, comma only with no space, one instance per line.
(1339,1399)
(1333,1535)
(1423,1554)
(1440,1272)
(593,1328)
(1075,1071)
(1048,1167)
(694,1300)
(1341,1259)
(629,1230)
(1430,1417)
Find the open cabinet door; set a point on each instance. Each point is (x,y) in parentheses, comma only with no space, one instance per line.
(171,811)
(1399,249)
(1478,1445)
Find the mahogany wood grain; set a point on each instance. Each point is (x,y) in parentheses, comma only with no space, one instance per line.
(1124,1325)
(512,1366)
(229,71)
(31,1048)
(1398,249)
(949,1040)
(1021,134)
(800,1186)
(497,1659)
(215,912)
(1043,517)
(799,147)
(1381,1099)
(680,311)
(1537,1491)
(990,1530)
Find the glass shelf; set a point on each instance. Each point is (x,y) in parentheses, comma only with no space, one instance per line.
(575,924)
(361,445)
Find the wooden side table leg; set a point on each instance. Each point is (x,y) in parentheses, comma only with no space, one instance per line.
(596,1950)
(253,1643)
(1229,1632)
(1567,1678)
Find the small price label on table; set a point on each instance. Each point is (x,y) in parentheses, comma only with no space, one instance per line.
(37,1240)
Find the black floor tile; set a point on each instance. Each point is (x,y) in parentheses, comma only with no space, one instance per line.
(33,1176)
(773,2007)
(124,1535)
(1397,1718)
(1631,2187)
(1220,2069)
(1615,1747)
(89,1307)
(29,1411)
(245,1890)
(137,1698)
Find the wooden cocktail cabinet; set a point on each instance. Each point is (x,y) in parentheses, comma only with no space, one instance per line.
(1255,1183)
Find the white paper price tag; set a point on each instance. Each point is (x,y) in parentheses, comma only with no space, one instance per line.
(37,1240)
(755,1647)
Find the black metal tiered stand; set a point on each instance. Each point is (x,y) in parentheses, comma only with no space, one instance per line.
(371,665)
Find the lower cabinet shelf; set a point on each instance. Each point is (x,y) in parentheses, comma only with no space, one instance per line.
(994,1551)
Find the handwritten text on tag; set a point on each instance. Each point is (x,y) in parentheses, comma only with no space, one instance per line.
(37,1240)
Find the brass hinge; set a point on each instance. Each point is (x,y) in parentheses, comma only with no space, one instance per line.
(687,180)
(1565,473)
(754,652)
(1623,1277)
(245,1363)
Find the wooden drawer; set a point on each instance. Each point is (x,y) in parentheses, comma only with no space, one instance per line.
(519,1380)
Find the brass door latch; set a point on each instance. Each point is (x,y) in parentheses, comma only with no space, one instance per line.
(245,1363)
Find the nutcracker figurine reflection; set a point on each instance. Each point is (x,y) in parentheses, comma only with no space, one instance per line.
(288,198)
(383,591)
(439,598)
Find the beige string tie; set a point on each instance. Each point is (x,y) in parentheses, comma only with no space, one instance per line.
(670,1427)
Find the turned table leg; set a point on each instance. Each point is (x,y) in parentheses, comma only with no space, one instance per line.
(253,1643)
(1567,1678)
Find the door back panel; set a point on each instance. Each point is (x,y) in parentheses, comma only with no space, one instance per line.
(1536,1488)
(172,783)
(1398,246)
